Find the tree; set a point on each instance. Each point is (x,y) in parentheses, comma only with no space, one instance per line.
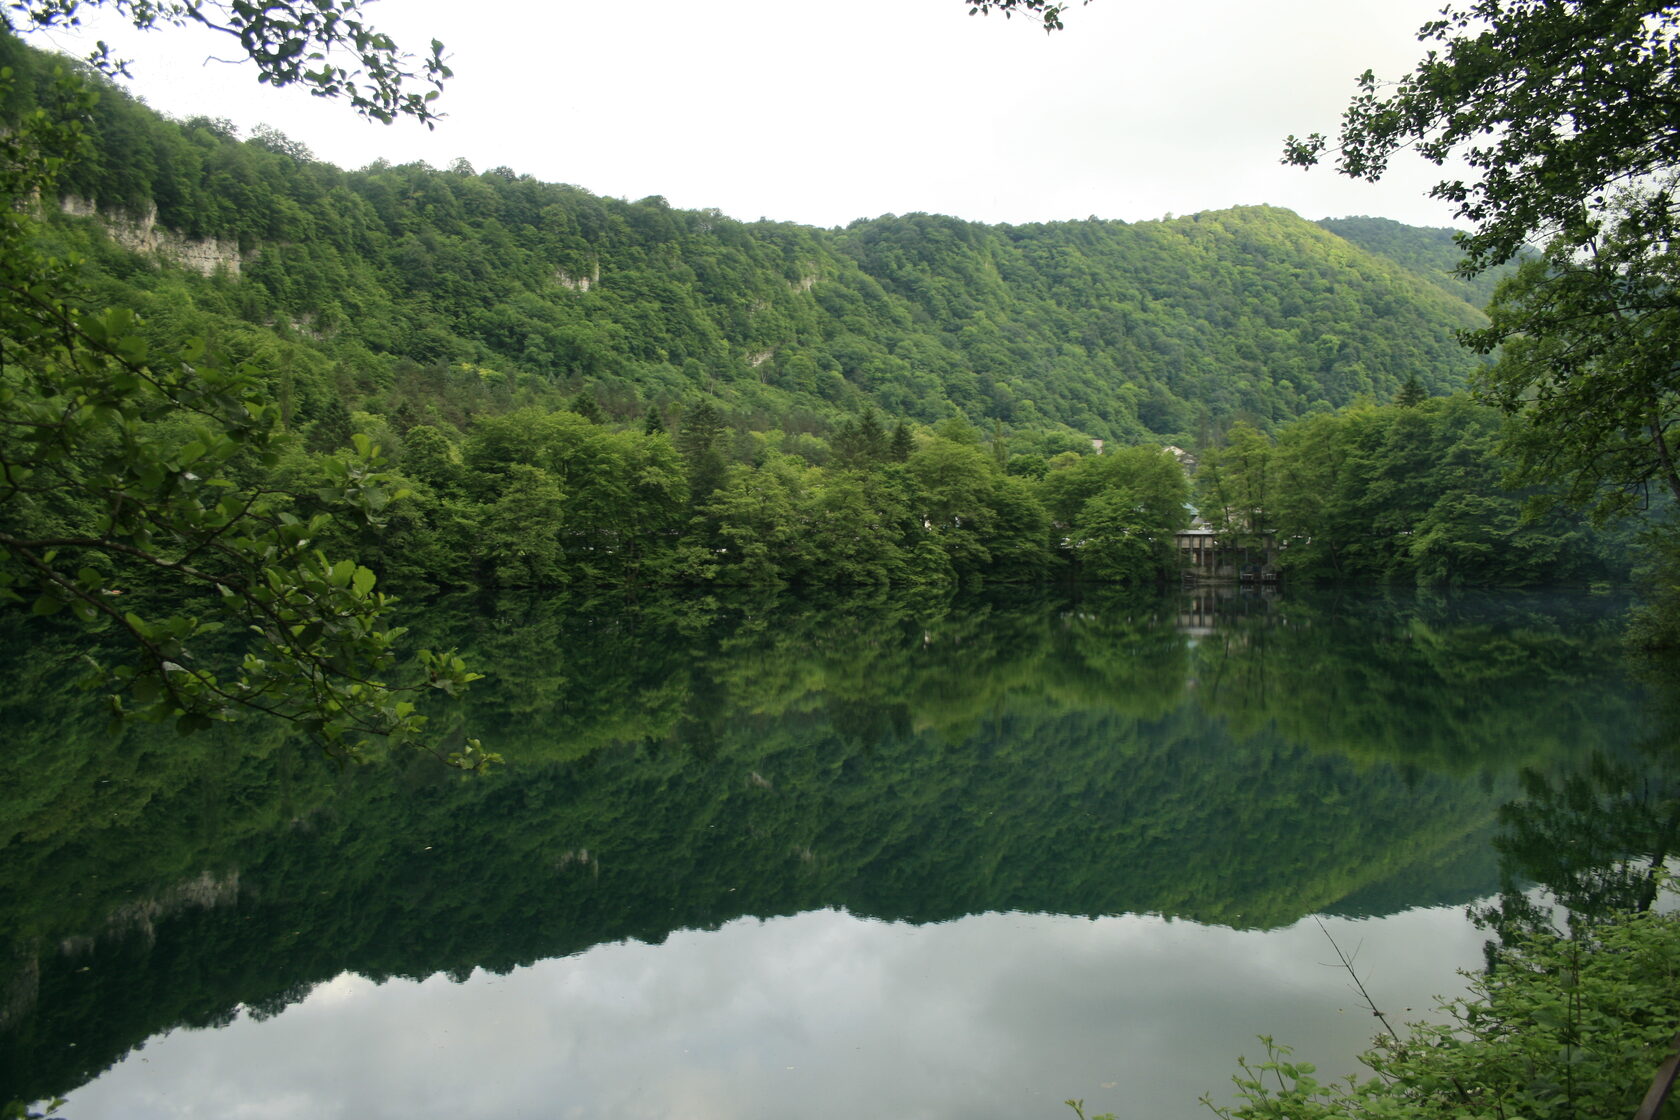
(332,428)
(1115,541)
(952,487)
(324,45)
(754,511)
(134,486)
(860,443)
(586,406)
(1240,486)
(429,457)
(903,445)
(1116,513)
(847,446)
(702,430)
(1589,356)
(521,529)
(856,529)
(1018,536)
(1563,109)
(274,140)
(1552,103)
(1412,393)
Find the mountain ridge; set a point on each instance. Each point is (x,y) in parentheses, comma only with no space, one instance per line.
(379,282)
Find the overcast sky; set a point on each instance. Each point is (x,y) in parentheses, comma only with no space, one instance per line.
(821,113)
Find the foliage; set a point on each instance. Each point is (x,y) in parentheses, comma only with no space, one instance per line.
(507,343)
(1562,110)
(1590,344)
(290,43)
(1431,253)
(1560,1027)
(1044,11)
(1172,328)
(141,488)
(1409,492)
(454,295)
(1235,484)
(1656,623)
(17,1110)
(1552,103)
(1118,512)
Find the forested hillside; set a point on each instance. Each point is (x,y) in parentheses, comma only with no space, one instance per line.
(434,293)
(1433,254)
(573,390)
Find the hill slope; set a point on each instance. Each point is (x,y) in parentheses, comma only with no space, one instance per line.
(1431,253)
(452,291)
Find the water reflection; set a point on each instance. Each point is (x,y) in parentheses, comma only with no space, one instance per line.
(677,765)
(820,1015)
(1582,845)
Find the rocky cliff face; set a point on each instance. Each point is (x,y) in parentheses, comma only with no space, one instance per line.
(143,235)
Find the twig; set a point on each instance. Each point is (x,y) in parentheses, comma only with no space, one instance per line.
(1358,983)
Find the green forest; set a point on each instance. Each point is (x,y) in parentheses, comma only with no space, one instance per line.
(295,390)
(431,295)
(690,501)
(568,390)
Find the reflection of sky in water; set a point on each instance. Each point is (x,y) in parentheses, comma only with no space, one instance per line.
(817,1015)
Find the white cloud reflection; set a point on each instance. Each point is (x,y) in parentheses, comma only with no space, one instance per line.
(818,1015)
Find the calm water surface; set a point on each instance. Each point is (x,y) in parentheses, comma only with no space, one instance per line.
(909,858)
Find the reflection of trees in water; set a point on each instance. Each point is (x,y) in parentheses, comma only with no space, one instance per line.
(1595,840)
(914,759)
(1462,683)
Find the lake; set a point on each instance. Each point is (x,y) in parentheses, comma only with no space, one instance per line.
(916,856)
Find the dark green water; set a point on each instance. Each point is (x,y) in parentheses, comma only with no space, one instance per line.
(921,857)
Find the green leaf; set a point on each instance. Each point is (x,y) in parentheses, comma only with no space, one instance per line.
(364,581)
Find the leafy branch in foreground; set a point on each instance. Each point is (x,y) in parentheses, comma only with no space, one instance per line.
(1045,12)
(134,494)
(323,45)
(1559,1027)
(1587,339)
(1553,104)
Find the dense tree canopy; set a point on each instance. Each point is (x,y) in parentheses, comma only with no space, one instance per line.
(1590,359)
(140,475)
(505,287)
(456,377)
(1564,112)
(1405,492)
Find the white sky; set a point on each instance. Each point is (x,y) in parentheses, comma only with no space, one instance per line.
(821,113)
